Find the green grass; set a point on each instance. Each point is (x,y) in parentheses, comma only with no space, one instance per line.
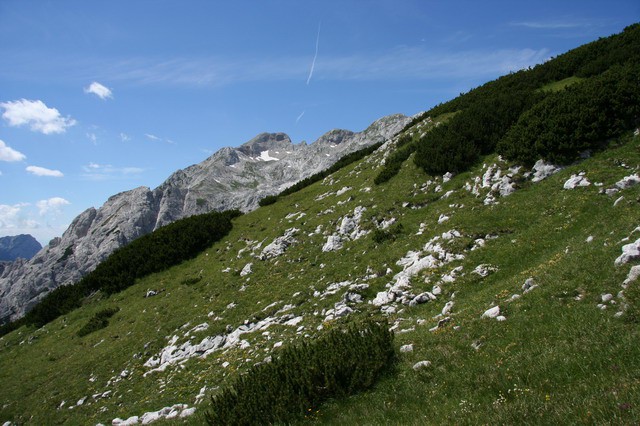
(555,360)
(557,86)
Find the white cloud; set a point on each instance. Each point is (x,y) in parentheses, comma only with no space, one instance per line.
(37,115)
(39,220)
(9,154)
(152,137)
(93,171)
(51,205)
(124,137)
(14,220)
(41,171)
(9,215)
(92,137)
(99,90)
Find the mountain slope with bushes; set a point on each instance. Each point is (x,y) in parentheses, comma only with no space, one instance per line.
(510,285)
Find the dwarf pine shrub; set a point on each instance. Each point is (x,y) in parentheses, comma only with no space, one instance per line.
(98,321)
(343,361)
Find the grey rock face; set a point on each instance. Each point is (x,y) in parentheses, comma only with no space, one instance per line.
(232,178)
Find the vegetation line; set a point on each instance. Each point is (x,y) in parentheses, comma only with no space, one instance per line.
(155,252)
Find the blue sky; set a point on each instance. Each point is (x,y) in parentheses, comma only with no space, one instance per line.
(101,97)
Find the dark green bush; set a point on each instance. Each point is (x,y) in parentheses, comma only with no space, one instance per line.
(301,377)
(98,321)
(394,161)
(457,145)
(155,252)
(581,117)
(489,111)
(381,235)
(269,199)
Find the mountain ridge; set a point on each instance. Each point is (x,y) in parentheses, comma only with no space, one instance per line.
(23,246)
(231,178)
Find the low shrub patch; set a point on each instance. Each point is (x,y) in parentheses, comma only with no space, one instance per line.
(98,321)
(343,361)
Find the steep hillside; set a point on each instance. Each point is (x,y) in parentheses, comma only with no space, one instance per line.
(433,255)
(512,289)
(232,178)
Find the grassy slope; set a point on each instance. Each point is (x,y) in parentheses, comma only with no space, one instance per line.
(554,359)
(557,86)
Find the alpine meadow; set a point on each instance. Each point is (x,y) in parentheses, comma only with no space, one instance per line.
(477,263)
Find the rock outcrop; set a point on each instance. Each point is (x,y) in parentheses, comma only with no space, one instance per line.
(232,178)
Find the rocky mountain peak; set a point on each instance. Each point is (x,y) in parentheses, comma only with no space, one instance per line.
(19,246)
(232,178)
(264,142)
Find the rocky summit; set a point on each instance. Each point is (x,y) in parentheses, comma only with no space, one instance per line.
(232,178)
(18,246)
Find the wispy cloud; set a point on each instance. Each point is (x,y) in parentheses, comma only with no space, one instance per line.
(124,137)
(51,205)
(419,63)
(36,115)
(403,63)
(550,25)
(155,138)
(41,171)
(315,56)
(300,117)
(92,137)
(99,90)
(9,154)
(94,171)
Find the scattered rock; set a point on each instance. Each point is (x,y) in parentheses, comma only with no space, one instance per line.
(279,245)
(492,312)
(334,243)
(246,270)
(606,297)
(406,348)
(633,275)
(133,420)
(529,285)
(576,180)
(628,181)
(421,364)
(343,190)
(629,252)
(383,298)
(447,307)
(542,170)
(443,218)
(484,270)
(151,293)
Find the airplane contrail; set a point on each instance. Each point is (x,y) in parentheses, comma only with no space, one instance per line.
(299,117)
(313,63)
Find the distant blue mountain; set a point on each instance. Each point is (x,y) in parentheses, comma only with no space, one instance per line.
(24,246)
